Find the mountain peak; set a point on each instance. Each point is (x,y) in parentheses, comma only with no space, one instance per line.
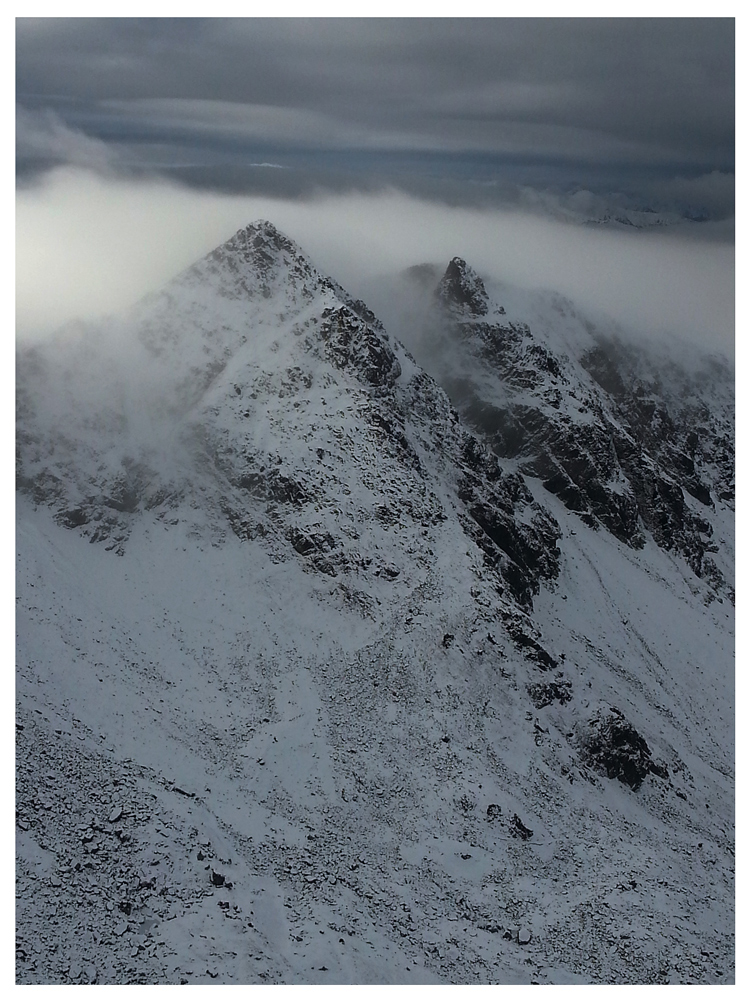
(257,261)
(260,243)
(346,635)
(262,234)
(461,288)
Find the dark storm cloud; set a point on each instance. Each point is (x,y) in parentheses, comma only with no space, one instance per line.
(629,92)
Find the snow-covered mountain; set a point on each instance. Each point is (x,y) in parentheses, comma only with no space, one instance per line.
(325,675)
(631,438)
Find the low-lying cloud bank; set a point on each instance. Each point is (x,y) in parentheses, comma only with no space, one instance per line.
(88,244)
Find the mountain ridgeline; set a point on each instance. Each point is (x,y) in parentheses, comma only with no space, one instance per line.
(362,651)
(304,425)
(632,441)
(628,447)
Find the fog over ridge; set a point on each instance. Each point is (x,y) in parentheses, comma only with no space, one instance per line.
(90,243)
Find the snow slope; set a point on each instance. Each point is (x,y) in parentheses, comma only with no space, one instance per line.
(310,684)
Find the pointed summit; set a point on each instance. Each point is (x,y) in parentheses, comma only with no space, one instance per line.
(261,239)
(257,260)
(462,289)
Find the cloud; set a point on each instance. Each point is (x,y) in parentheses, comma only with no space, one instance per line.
(646,90)
(89,244)
(43,135)
(534,112)
(267,124)
(509,127)
(711,193)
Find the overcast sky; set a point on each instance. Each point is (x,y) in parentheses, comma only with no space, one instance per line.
(450,108)
(379,143)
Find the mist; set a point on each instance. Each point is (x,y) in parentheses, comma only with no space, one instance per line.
(90,244)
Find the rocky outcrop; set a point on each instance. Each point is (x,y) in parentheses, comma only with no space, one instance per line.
(461,289)
(354,344)
(611,745)
(626,440)
(525,551)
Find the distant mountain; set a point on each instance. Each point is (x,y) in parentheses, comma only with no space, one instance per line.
(333,668)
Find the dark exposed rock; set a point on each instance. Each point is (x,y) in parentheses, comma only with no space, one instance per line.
(635,457)
(544,694)
(410,422)
(659,769)
(518,630)
(367,315)
(393,433)
(123,497)
(679,432)
(529,560)
(73,518)
(613,746)
(353,344)
(273,485)
(462,287)
(529,545)
(517,829)
(316,542)
(243,525)
(493,811)
(386,515)
(183,791)
(388,572)
(162,496)
(466,804)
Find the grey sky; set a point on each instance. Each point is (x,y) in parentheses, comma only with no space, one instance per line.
(608,105)
(576,154)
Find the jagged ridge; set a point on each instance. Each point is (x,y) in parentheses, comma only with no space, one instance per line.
(601,431)
(288,395)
